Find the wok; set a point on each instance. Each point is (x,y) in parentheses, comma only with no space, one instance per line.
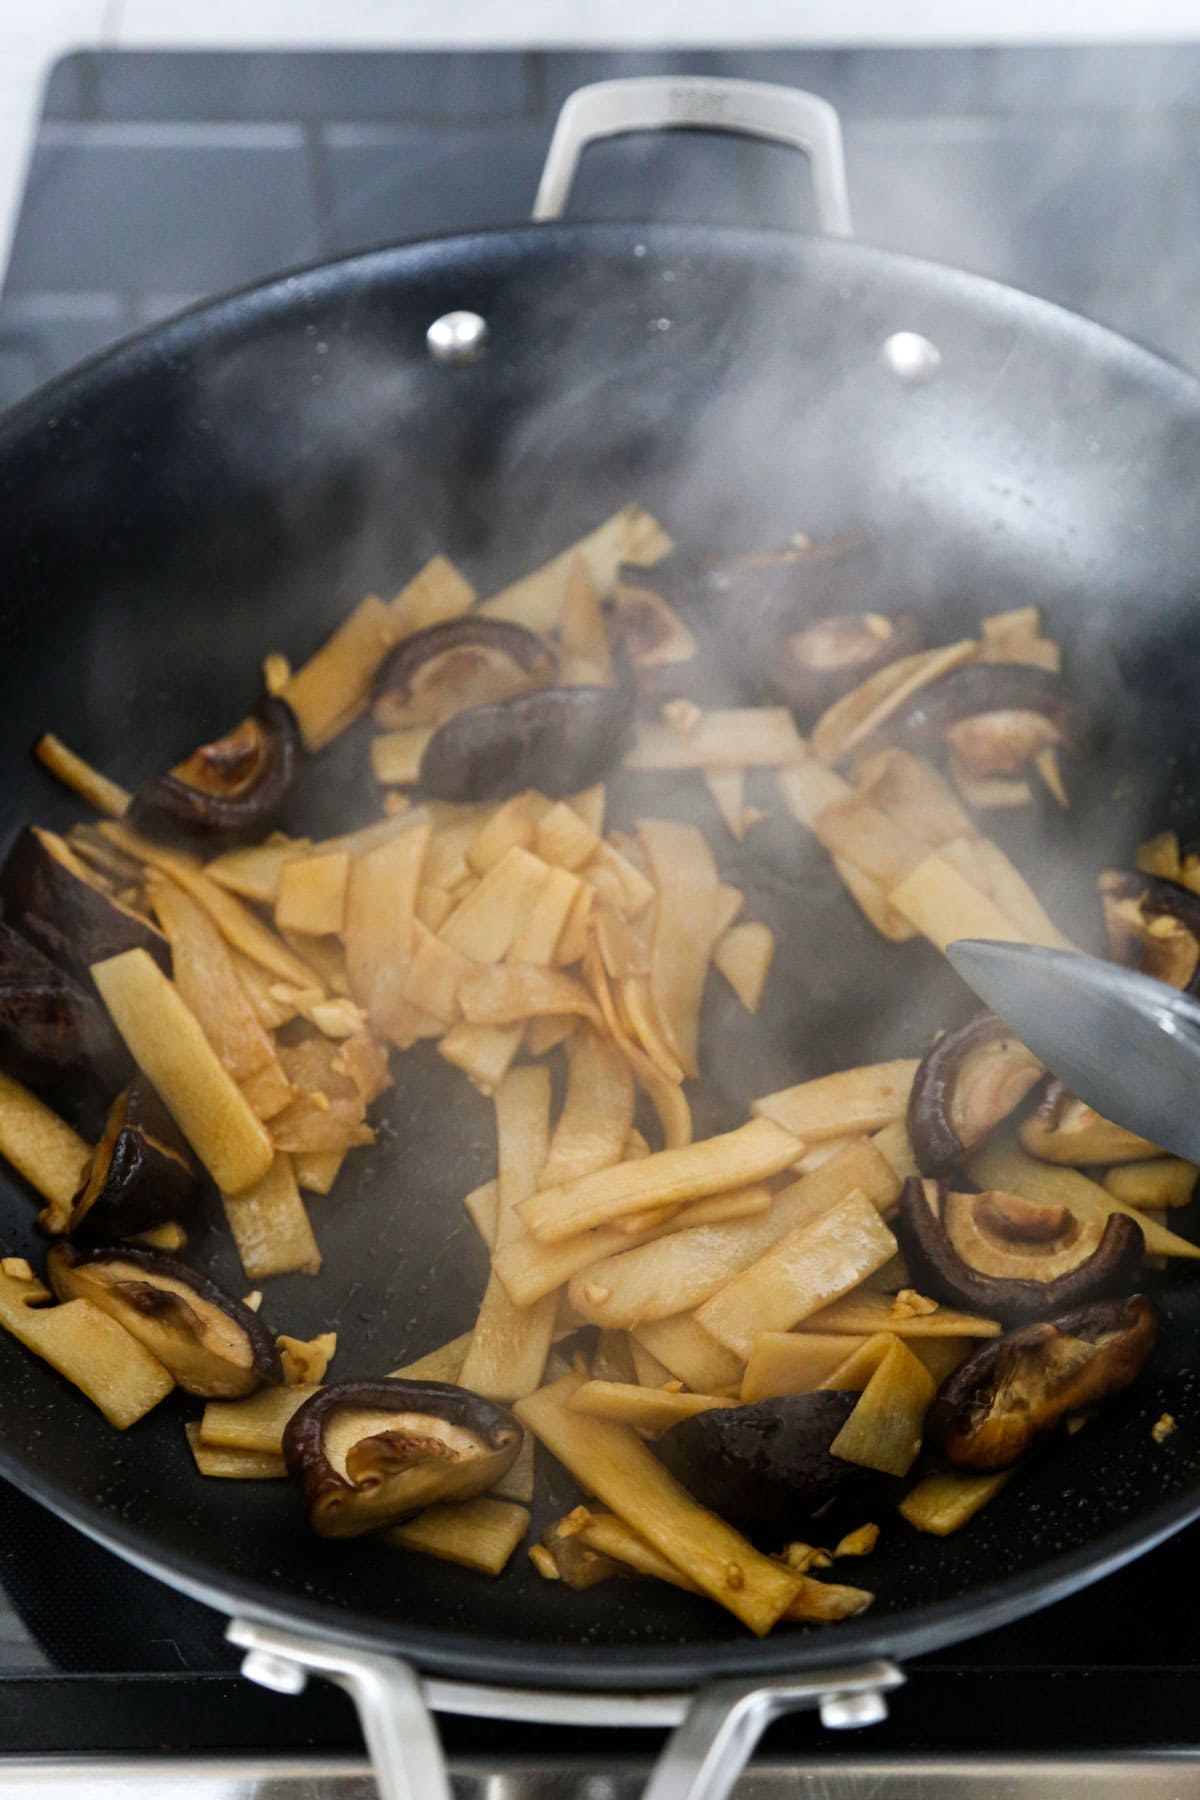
(232,482)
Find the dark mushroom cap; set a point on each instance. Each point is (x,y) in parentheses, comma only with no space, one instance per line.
(939,1270)
(52,898)
(1015,1390)
(766,1468)
(811,664)
(401,1446)
(969,1081)
(480,660)
(229,792)
(53,1031)
(140,1174)
(555,739)
(1132,902)
(984,687)
(214,1346)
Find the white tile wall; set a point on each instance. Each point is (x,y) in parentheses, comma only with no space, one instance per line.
(34,32)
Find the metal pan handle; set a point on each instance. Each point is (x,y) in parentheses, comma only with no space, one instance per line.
(671,102)
(715,1731)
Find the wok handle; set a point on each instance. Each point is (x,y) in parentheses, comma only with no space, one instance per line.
(670,102)
(715,1733)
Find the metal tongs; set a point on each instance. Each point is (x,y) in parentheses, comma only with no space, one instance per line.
(1127,1045)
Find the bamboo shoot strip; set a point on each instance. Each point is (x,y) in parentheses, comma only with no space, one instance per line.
(43,1148)
(597,1113)
(270,1225)
(611,1462)
(814,1265)
(673,1274)
(736,1159)
(167,1043)
(529,1269)
(851,1101)
(509,1348)
(479,1534)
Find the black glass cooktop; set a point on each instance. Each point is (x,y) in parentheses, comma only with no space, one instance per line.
(159,178)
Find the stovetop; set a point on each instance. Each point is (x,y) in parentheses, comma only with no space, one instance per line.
(161,177)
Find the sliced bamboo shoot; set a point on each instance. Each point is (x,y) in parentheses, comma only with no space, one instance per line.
(437,592)
(564,838)
(538,939)
(443,1364)
(80,776)
(1161,1181)
(270,1226)
(486,923)
(233,1465)
(690,1353)
(312,893)
(842,1105)
(744,956)
(792,1362)
(676,1273)
(331,689)
(645,1409)
(505,993)
(537,600)
(44,1149)
(938,899)
(738,738)
(808,1269)
(99,1356)
(167,1043)
(947,1501)
(396,755)
(884,1430)
(597,1113)
(611,1461)
(862,1314)
(508,1351)
(254,1426)
(484,1053)
(735,1160)
(381,894)
(208,983)
(479,1534)
(317,1170)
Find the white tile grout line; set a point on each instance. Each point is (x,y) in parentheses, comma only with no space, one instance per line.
(51,28)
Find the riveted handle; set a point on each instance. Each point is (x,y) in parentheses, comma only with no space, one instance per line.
(673,102)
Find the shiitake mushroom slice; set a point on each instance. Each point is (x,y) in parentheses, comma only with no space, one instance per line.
(55,900)
(1153,926)
(766,1467)
(54,1034)
(556,739)
(459,663)
(214,1346)
(371,1453)
(969,1081)
(1064,1129)
(140,1174)
(814,664)
(1018,1389)
(1005,692)
(1027,1263)
(229,792)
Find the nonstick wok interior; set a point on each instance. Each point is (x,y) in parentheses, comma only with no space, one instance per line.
(231,485)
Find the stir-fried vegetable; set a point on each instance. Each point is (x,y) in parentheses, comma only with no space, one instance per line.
(707,1320)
